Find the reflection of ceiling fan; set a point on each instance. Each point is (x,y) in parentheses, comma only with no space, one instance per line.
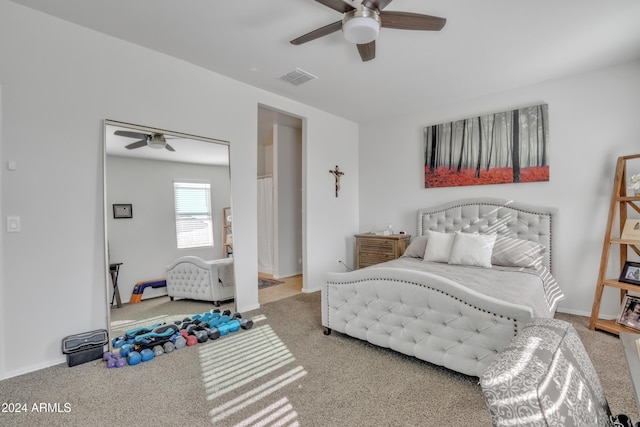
(152,140)
(362,21)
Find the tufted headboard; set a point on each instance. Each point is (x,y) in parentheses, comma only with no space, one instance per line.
(492,215)
(194,278)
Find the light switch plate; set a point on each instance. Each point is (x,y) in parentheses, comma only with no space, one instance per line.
(13,224)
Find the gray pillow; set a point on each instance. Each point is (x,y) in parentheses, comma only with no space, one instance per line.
(416,248)
(511,252)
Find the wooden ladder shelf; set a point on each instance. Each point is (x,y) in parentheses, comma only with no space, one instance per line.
(620,202)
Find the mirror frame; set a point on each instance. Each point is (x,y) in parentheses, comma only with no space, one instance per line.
(134,127)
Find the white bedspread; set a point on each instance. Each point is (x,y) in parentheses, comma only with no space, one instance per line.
(534,288)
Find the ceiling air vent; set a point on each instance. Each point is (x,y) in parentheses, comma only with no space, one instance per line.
(298,77)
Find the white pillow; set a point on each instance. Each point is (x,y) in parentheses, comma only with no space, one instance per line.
(438,246)
(472,249)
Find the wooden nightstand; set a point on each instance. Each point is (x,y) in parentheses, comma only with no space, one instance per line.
(373,249)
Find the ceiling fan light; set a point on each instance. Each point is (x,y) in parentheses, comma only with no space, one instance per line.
(157,141)
(361,27)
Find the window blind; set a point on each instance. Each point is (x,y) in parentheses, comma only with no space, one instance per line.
(194,225)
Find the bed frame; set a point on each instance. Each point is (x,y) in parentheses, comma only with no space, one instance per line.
(430,317)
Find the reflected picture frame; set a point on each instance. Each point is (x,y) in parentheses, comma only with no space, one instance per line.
(630,273)
(122,210)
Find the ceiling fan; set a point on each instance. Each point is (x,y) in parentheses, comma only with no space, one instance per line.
(362,21)
(151,140)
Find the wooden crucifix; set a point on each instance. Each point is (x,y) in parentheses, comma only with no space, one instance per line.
(337,174)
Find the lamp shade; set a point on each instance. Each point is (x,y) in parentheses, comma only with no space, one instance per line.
(157,141)
(361,26)
(361,29)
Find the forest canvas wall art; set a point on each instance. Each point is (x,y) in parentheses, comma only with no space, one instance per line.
(507,147)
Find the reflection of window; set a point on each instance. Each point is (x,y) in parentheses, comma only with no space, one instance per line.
(194,228)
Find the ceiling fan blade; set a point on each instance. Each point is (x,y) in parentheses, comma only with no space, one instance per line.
(411,21)
(320,32)
(168,147)
(338,5)
(367,51)
(128,134)
(137,144)
(376,4)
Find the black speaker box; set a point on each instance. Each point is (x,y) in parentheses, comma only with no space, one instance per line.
(84,356)
(78,342)
(85,347)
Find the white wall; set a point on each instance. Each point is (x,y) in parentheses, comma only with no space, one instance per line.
(593,120)
(146,243)
(59,82)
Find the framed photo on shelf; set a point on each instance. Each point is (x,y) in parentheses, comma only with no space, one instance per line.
(631,230)
(630,313)
(122,211)
(630,273)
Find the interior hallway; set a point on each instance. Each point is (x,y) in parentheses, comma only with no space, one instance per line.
(291,286)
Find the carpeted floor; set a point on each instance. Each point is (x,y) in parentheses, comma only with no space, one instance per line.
(284,371)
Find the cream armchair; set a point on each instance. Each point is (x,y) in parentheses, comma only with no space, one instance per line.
(194,278)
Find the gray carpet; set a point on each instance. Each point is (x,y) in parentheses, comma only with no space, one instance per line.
(282,372)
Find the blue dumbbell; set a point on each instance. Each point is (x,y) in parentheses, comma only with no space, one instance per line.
(126,349)
(146,355)
(134,358)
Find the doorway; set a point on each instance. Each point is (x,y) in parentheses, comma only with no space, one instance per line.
(280,222)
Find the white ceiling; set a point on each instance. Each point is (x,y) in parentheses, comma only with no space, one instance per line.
(188,148)
(486,46)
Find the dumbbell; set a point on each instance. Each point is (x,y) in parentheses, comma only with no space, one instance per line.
(116,363)
(133,358)
(146,355)
(214,333)
(213,326)
(180,342)
(190,339)
(213,323)
(126,349)
(231,326)
(168,347)
(158,350)
(181,324)
(206,327)
(197,331)
(246,323)
(114,360)
(206,316)
(234,326)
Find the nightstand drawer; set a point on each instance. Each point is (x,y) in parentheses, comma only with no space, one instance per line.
(372,249)
(376,246)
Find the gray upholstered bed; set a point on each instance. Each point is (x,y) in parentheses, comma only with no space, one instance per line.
(478,270)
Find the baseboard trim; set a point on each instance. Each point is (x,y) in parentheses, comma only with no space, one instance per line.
(583,313)
(33,368)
